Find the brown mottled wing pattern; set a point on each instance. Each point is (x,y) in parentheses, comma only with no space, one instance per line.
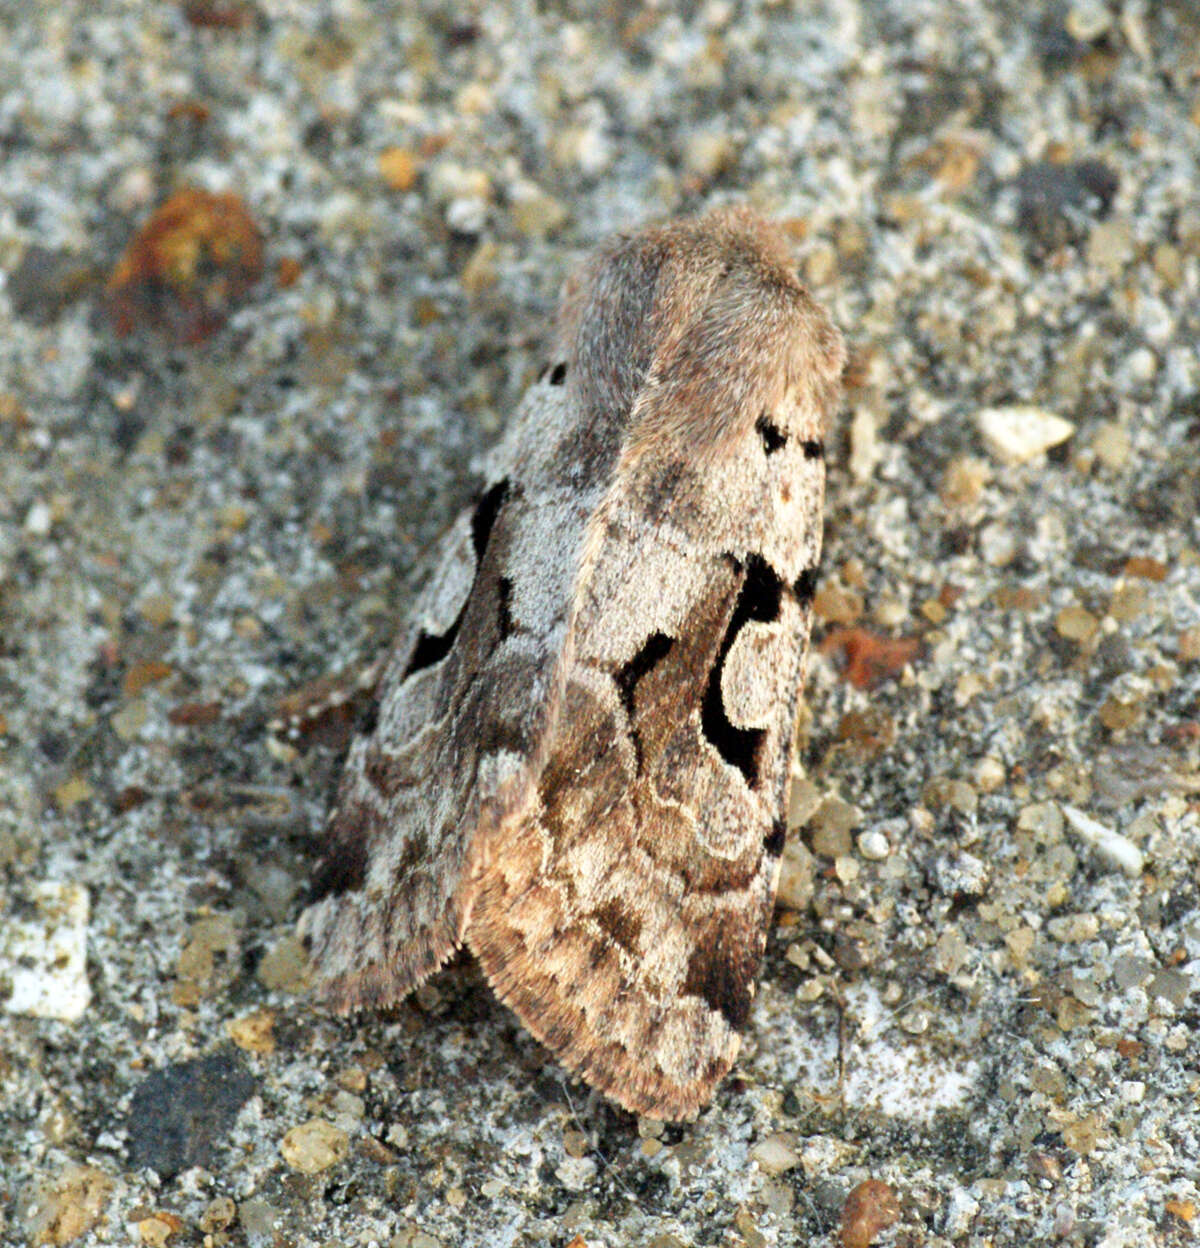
(582,752)
(625,922)
(462,707)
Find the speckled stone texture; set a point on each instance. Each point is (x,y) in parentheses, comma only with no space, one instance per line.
(272,275)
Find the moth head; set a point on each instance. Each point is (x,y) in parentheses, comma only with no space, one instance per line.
(693,331)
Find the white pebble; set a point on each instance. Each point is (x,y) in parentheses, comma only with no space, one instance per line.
(989,774)
(959,1212)
(775,1155)
(998,545)
(873,846)
(1139,365)
(1111,847)
(1087,20)
(44,957)
(38,519)
(467,215)
(1018,433)
(915,1022)
(576,1173)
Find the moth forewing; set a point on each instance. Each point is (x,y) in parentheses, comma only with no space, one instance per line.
(583,775)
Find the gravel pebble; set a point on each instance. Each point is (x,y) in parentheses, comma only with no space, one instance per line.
(1110,847)
(873,845)
(775,1155)
(179,1116)
(60,1208)
(314,1146)
(1017,434)
(43,955)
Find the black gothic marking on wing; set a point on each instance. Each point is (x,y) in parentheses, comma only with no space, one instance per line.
(432,648)
(654,649)
(759,599)
(774,840)
(505,623)
(773,438)
(484,518)
(805,586)
(558,374)
(343,869)
(813,450)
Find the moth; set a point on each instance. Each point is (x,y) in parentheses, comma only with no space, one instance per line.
(580,762)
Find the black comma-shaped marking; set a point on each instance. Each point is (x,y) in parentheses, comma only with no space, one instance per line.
(432,648)
(759,599)
(654,649)
(773,438)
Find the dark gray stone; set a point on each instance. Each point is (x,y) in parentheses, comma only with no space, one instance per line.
(179,1114)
